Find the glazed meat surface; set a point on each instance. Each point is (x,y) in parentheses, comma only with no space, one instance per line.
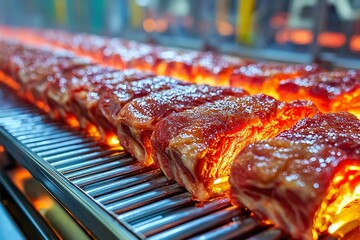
(34,70)
(264,77)
(298,178)
(205,67)
(86,94)
(197,147)
(330,91)
(139,117)
(113,100)
(65,85)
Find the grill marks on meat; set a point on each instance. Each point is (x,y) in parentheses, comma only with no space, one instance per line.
(138,118)
(291,179)
(197,147)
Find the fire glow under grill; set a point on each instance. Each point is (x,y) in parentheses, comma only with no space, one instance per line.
(134,203)
(108,191)
(337,90)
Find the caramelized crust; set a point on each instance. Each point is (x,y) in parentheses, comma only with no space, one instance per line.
(330,91)
(65,85)
(197,147)
(41,73)
(192,66)
(341,130)
(112,100)
(69,87)
(35,70)
(287,179)
(86,97)
(264,77)
(123,54)
(175,63)
(139,117)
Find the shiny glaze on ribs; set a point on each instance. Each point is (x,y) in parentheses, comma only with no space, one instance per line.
(113,99)
(264,77)
(286,178)
(197,147)
(338,90)
(139,117)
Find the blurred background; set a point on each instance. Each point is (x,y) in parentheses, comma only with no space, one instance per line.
(283,30)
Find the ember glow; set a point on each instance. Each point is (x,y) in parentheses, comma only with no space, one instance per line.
(339,212)
(93,130)
(112,140)
(9,81)
(154,61)
(72,121)
(221,185)
(42,203)
(2,149)
(350,100)
(343,194)
(42,106)
(20,178)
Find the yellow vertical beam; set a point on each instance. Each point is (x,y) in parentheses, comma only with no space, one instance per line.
(244,21)
(60,12)
(136,14)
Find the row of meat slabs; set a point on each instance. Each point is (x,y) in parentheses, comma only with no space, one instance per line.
(292,161)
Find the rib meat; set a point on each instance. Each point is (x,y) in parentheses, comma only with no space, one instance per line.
(197,147)
(212,68)
(85,96)
(112,100)
(264,77)
(65,86)
(34,69)
(193,66)
(330,91)
(301,177)
(139,117)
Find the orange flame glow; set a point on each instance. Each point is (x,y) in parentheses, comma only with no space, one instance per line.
(42,106)
(112,140)
(72,121)
(221,184)
(331,39)
(9,81)
(92,131)
(19,177)
(301,36)
(42,203)
(343,194)
(2,149)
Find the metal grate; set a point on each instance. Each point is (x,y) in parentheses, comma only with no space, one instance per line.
(109,193)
